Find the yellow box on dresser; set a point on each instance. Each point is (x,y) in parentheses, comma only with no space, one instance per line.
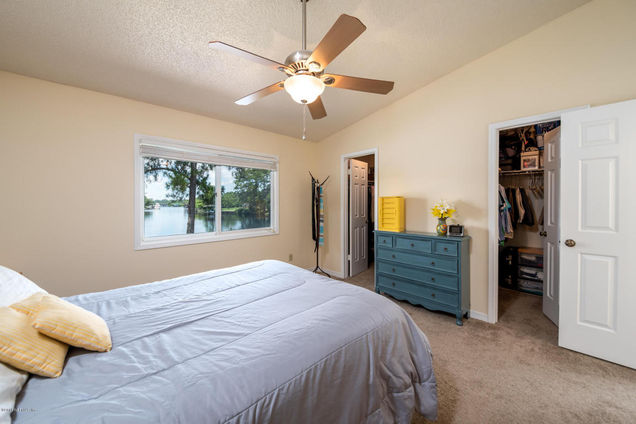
(391,211)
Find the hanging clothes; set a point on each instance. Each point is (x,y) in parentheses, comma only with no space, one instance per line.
(519,204)
(321,240)
(505,221)
(528,218)
(314,231)
(513,208)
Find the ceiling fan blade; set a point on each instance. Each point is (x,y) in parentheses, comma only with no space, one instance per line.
(317,109)
(249,56)
(358,84)
(263,92)
(342,33)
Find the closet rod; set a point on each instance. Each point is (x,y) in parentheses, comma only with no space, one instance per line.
(526,172)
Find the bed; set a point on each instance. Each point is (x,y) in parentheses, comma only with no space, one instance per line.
(264,342)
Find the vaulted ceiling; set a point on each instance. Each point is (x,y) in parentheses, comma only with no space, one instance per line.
(156,50)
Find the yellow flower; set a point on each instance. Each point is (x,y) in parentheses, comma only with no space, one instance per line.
(442,209)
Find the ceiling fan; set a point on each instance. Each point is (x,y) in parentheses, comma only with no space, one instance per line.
(305,69)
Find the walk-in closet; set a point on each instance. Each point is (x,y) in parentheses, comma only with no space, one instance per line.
(528,211)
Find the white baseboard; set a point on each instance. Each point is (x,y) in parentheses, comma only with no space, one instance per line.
(337,274)
(479,315)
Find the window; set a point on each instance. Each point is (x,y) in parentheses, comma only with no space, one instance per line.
(194,193)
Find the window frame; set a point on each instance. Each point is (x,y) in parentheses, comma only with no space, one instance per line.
(141,243)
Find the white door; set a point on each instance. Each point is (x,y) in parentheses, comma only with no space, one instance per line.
(598,257)
(358,219)
(552,164)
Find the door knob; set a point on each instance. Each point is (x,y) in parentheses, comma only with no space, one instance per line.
(570,243)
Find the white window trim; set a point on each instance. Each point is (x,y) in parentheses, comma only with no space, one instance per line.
(140,243)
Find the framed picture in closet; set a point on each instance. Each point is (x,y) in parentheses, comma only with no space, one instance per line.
(530,160)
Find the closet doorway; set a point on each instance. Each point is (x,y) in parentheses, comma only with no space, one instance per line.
(524,210)
(594,289)
(359,208)
(528,212)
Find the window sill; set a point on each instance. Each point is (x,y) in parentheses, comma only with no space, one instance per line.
(180,240)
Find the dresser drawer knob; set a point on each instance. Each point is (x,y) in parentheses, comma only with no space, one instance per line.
(446,249)
(384,241)
(412,244)
(432,294)
(433,263)
(392,269)
(393,283)
(393,256)
(433,279)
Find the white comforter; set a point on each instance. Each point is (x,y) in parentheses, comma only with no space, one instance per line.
(264,342)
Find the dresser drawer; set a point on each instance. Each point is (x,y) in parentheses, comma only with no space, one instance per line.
(386,241)
(405,243)
(431,262)
(424,292)
(448,248)
(442,280)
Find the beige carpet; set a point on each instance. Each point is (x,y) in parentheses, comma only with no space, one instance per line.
(514,372)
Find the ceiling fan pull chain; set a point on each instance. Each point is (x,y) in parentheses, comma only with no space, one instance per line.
(304,122)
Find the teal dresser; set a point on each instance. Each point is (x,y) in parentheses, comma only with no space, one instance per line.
(424,269)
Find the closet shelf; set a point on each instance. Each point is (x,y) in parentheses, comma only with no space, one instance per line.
(524,172)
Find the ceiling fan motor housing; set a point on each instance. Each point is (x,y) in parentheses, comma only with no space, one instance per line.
(298,61)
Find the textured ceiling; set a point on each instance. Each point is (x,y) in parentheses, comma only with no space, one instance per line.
(156,50)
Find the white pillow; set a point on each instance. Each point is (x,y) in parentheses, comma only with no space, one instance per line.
(11,382)
(13,288)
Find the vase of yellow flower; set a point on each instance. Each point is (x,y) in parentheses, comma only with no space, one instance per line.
(442,210)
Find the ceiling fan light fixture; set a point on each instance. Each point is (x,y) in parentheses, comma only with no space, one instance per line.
(304,89)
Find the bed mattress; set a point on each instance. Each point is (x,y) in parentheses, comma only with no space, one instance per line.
(264,342)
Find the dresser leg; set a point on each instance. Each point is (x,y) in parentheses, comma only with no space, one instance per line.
(459,320)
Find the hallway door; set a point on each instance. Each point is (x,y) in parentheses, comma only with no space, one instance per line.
(358,217)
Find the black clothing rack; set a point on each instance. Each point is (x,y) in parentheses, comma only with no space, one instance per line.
(315,218)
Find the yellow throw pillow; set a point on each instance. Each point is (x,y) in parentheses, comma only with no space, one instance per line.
(23,347)
(30,305)
(71,324)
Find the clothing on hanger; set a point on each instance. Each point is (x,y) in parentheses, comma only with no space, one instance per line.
(505,221)
(513,207)
(520,207)
(528,217)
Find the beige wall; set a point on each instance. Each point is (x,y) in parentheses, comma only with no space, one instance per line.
(66,184)
(66,157)
(433,144)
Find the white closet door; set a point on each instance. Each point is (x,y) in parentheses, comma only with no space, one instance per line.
(598,257)
(552,165)
(358,218)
